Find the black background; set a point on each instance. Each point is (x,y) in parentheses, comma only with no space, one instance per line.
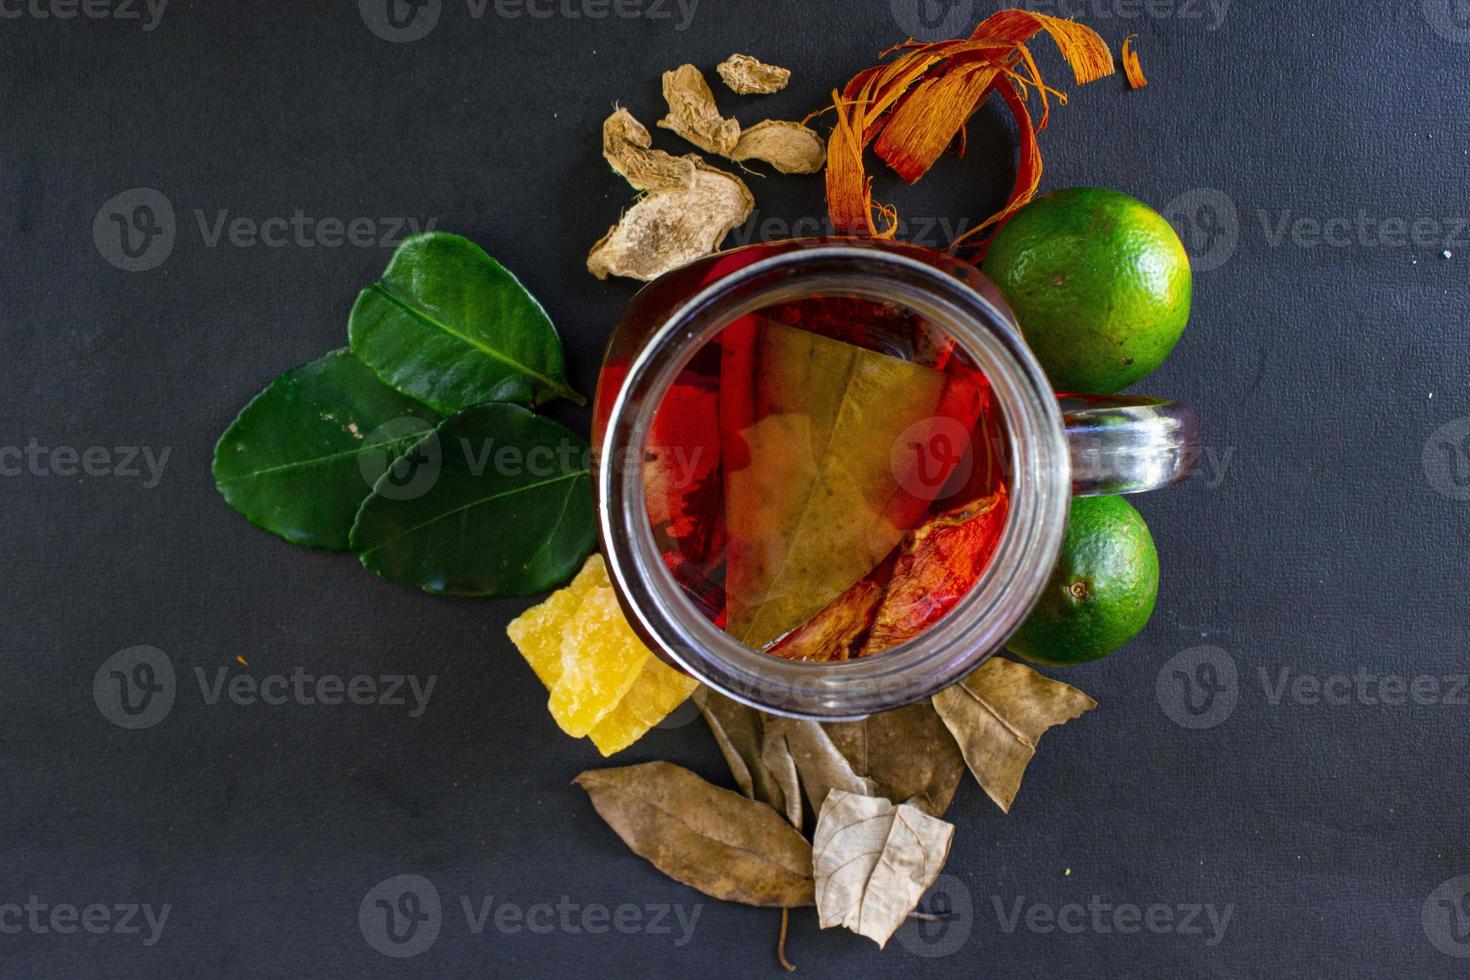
(1325,534)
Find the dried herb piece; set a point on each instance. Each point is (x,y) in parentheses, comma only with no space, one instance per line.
(627,147)
(907,753)
(713,840)
(750,76)
(998,714)
(821,766)
(1132,68)
(693,113)
(873,861)
(761,764)
(940,563)
(790,147)
(911,109)
(671,228)
(917,585)
(840,628)
(776,754)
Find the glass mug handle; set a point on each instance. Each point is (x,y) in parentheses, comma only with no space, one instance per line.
(1128,444)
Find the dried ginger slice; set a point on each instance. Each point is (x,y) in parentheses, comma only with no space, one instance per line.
(693,113)
(671,228)
(746,75)
(626,145)
(790,147)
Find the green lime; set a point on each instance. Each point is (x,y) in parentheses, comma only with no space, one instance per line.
(1103,590)
(1100,283)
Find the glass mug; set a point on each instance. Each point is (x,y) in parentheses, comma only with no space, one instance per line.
(1059,446)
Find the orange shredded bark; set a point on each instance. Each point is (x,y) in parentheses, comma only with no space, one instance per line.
(1131,67)
(914,107)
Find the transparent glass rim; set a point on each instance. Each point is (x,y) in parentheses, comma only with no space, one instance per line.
(978,626)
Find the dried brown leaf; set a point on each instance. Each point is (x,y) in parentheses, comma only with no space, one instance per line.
(761,763)
(790,147)
(998,714)
(693,113)
(776,754)
(747,75)
(671,228)
(626,145)
(822,767)
(873,861)
(711,839)
(908,753)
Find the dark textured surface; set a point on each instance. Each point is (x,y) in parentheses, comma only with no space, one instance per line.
(1325,536)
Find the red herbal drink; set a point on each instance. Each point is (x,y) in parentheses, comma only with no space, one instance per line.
(825,477)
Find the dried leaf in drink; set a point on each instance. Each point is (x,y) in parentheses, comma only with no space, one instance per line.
(627,147)
(747,75)
(873,861)
(716,841)
(790,147)
(998,714)
(671,228)
(908,754)
(813,502)
(693,113)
